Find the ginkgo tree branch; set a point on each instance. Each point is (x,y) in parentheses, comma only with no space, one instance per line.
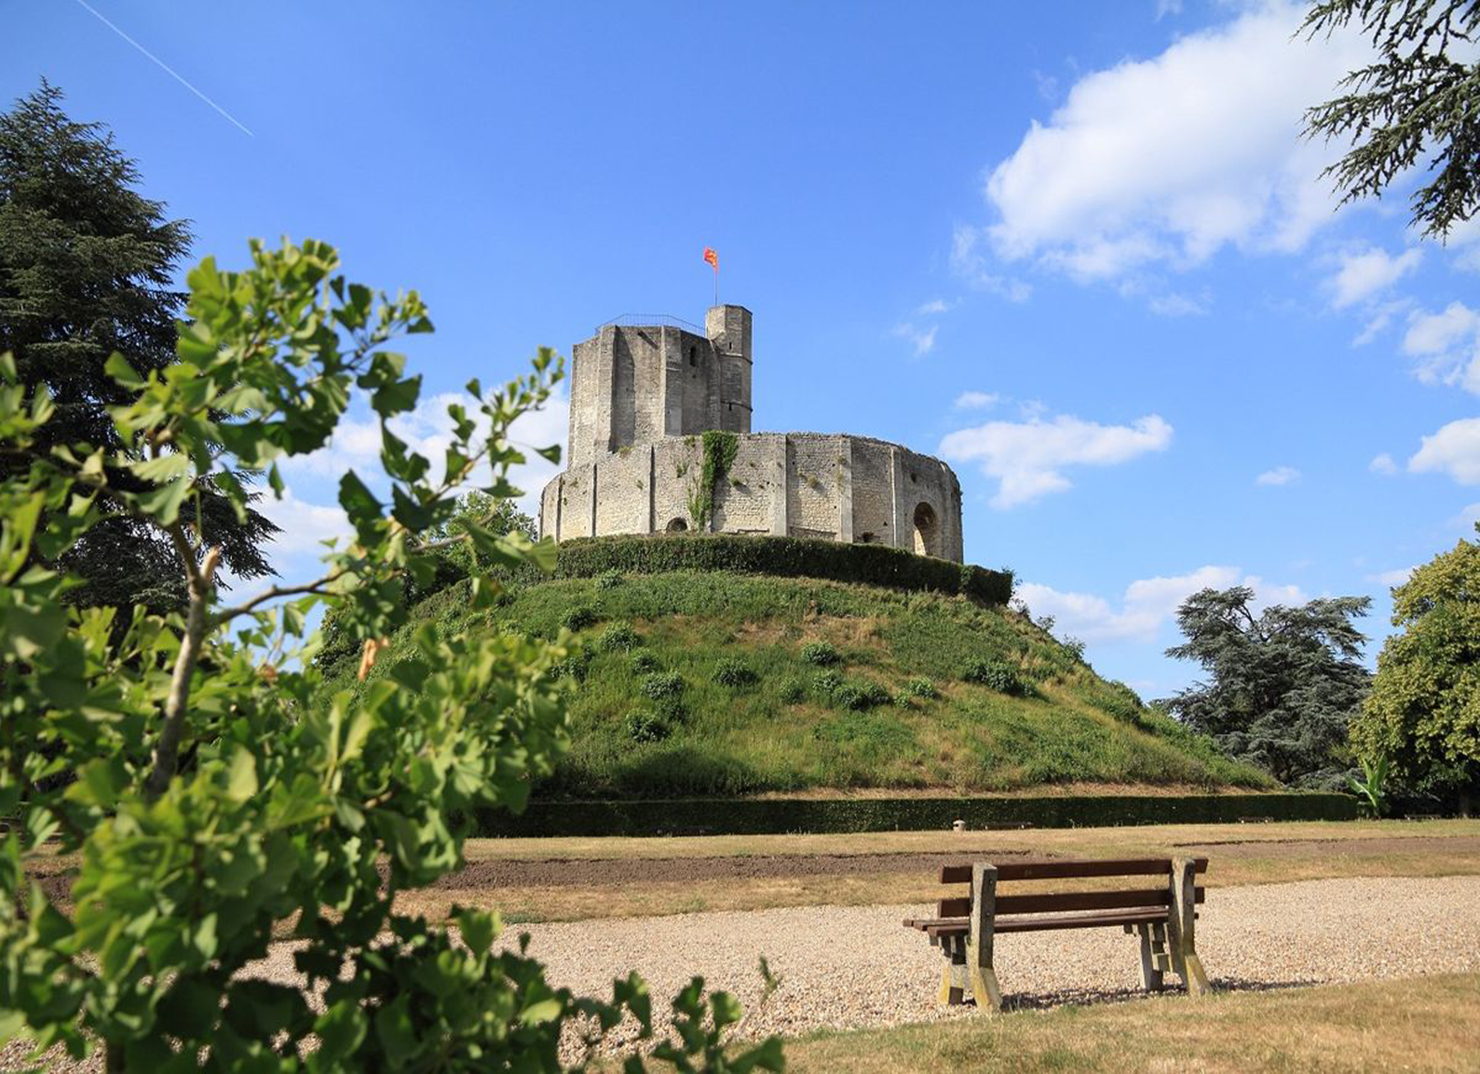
(199,582)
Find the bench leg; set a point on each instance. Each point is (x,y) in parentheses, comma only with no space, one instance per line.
(1181,932)
(981,975)
(953,976)
(1151,978)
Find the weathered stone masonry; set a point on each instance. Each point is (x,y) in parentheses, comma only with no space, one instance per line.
(642,394)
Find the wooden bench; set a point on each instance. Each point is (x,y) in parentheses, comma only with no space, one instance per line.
(1163,916)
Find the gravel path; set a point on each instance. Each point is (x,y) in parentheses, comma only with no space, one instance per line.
(851,967)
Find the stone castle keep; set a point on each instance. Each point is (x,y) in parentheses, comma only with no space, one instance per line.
(641,396)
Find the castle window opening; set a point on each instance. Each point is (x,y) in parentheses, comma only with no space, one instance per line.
(676,525)
(693,356)
(927,531)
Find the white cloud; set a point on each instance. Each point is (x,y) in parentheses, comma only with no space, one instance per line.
(969,260)
(1280,475)
(305,526)
(922,339)
(1447,345)
(1392,578)
(1267,593)
(1175,305)
(1146,605)
(1454,449)
(1383,464)
(976,400)
(935,305)
(1363,273)
(1464,240)
(1381,316)
(1467,518)
(1028,458)
(1167,160)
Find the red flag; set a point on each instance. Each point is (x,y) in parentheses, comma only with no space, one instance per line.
(711,258)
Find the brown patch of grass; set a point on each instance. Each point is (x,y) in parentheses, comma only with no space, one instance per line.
(1090,842)
(1429,1023)
(1251,854)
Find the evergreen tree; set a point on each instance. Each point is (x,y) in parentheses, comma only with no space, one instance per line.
(1282,686)
(1416,106)
(86,265)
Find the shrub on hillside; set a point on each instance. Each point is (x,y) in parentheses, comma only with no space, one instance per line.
(996,676)
(860,695)
(792,557)
(827,682)
(734,673)
(646,726)
(821,653)
(579,618)
(923,688)
(575,666)
(618,638)
(608,579)
(644,664)
(794,692)
(666,686)
(1121,701)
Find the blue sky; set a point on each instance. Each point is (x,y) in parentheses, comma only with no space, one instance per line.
(1079,250)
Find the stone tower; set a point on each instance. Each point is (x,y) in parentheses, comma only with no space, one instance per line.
(643,388)
(634,383)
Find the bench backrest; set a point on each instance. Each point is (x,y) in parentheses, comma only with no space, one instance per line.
(1139,895)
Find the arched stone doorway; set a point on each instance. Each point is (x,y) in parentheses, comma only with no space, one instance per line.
(927,531)
(677,525)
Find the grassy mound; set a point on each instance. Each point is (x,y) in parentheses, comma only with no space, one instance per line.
(690,684)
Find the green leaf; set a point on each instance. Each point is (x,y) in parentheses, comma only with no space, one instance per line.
(162,468)
(341,1030)
(394,1030)
(542,1011)
(163,503)
(241,777)
(360,505)
(118,368)
(396,397)
(98,783)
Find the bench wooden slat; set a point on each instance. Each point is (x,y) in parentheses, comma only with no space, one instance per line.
(949,926)
(1054,870)
(1051,902)
(1145,915)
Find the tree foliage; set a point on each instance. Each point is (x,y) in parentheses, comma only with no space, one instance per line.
(1416,105)
(1282,686)
(86,265)
(1424,709)
(211,804)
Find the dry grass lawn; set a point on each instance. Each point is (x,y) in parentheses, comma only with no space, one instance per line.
(1426,1024)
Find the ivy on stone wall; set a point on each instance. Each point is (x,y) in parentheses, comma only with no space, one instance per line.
(720,449)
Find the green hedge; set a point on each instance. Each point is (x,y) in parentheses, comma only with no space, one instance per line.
(787,557)
(775,816)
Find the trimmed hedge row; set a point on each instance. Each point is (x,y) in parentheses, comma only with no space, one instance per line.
(778,816)
(787,557)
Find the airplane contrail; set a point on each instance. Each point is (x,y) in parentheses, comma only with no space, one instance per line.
(168,69)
